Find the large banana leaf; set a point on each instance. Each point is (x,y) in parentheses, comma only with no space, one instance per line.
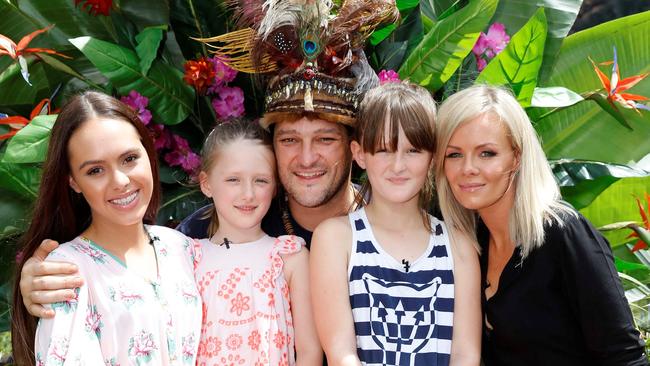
(518,64)
(443,49)
(582,181)
(616,204)
(585,131)
(21,179)
(170,99)
(29,145)
(390,52)
(433,9)
(560,15)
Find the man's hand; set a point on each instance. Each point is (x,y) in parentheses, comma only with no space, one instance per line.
(44,282)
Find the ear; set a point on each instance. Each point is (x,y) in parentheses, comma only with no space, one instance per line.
(74,185)
(205,185)
(357,154)
(517,162)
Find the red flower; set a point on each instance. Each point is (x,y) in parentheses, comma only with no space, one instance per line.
(640,244)
(95,7)
(200,74)
(616,86)
(18,51)
(16,123)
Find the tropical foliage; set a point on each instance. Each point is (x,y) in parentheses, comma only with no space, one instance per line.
(142,51)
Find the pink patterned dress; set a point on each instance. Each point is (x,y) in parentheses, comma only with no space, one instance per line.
(246,309)
(121,318)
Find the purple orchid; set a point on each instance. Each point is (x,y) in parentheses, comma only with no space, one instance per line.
(388,76)
(139,103)
(183,156)
(229,103)
(223,74)
(491,44)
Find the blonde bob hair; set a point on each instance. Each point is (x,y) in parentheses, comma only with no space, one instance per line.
(537,196)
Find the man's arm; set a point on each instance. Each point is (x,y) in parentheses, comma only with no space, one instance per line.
(44,282)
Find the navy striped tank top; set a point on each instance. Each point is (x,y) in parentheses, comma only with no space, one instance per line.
(401,317)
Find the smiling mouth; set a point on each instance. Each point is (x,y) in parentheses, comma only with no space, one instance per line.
(246,209)
(310,175)
(470,187)
(397,180)
(126,200)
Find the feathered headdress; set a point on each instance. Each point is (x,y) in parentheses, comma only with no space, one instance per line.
(314,54)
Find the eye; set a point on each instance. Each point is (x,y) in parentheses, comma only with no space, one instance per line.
(131,158)
(414,151)
(232,179)
(488,154)
(94,171)
(262,181)
(453,155)
(288,140)
(327,140)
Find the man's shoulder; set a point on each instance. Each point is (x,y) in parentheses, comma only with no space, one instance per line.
(196,224)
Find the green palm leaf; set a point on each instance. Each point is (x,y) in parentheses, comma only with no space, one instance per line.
(170,99)
(585,130)
(518,64)
(443,49)
(560,14)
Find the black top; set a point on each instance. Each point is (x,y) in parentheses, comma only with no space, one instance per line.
(196,226)
(563,305)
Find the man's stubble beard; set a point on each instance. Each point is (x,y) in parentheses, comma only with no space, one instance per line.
(336,187)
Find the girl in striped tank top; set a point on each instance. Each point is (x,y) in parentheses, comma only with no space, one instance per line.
(393,287)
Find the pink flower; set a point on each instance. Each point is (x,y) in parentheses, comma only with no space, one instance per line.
(481,63)
(491,44)
(139,104)
(230,102)
(497,39)
(388,76)
(19,256)
(223,74)
(183,156)
(162,138)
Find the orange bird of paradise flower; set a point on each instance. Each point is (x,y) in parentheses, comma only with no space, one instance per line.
(615,86)
(16,123)
(20,50)
(641,244)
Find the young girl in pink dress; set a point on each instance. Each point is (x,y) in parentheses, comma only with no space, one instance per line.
(255,291)
(139,304)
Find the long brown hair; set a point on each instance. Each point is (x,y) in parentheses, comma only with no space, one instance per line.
(393,106)
(61,214)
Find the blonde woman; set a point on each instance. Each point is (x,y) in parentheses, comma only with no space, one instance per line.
(551,294)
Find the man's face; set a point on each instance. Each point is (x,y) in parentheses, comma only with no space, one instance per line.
(313,158)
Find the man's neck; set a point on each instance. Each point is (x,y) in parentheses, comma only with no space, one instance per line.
(310,217)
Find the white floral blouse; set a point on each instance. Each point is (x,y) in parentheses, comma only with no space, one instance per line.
(121,318)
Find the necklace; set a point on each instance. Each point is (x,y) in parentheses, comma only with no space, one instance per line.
(286,218)
(286,221)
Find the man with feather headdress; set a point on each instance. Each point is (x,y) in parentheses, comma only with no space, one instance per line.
(316,72)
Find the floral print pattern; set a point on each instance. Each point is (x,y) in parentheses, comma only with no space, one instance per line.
(247,315)
(119,318)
